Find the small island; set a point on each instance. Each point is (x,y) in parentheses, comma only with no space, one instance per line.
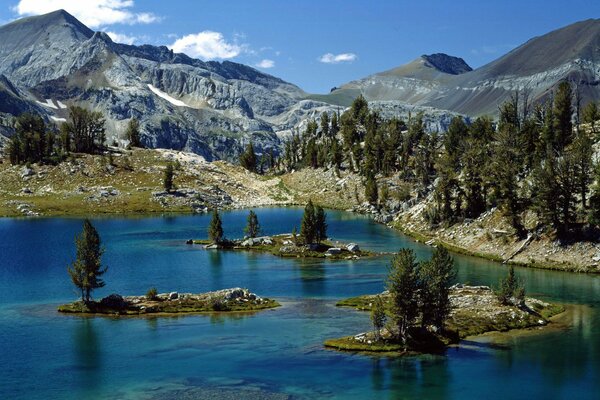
(86,273)
(287,245)
(475,310)
(226,300)
(421,313)
(311,242)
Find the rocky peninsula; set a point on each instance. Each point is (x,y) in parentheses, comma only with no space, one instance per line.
(226,300)
(476,310)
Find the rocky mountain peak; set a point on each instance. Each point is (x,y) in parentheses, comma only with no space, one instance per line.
(447,64)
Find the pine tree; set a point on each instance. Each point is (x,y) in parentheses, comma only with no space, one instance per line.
(371,190)
(248,158)
(378,316)
(31,143)
(85,130)
(335,153)
(308,225)
(133,133)
(324,124)
(505,175)
(591,115)
(168,177)
(563,114)
(215,228)
(403,284)
(86,270)
(546,191)
(436,276)
(583,152)
(320,224)
(511,287)
(253,227)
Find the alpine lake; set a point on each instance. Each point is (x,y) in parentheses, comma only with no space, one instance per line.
(271,354)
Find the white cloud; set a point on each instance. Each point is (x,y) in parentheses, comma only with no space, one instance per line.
(207,45)
(122,38)
(331,58)
(266,64)
(93,13)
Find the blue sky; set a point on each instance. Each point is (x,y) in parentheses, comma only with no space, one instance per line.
(321,44)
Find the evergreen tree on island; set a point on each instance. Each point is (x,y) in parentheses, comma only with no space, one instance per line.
(308,225)
(320,224)
(436,275)
(215,228)
(253,227)
(86,270)
(403,285)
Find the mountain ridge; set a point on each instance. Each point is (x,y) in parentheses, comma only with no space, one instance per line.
(214,109)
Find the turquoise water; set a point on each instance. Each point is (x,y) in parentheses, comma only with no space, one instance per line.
(272,354)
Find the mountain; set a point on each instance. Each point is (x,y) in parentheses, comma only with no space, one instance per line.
(444,82)
(214,109)
(51,61)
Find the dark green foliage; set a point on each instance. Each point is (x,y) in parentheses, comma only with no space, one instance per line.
(87,269)
(436,276)
(563,114)
(133,133)
(320,224)
(403,285)
(168,177)
(371,190)
(32,141)
(511,288)
(504,174)
(583,152)
(84,132)
(591,115)
(219,304)
(378,315)
(252,227)
(309,224)
(248,158)
(215,228)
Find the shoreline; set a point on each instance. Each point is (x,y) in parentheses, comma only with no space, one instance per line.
(417,236)
(131,187)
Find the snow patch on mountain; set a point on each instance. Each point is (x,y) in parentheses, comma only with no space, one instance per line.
(168,98)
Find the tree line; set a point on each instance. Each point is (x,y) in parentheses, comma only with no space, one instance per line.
(537,157)
(35,141)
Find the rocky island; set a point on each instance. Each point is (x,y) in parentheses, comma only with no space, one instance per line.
(226,300)
(475,310)
(285,245)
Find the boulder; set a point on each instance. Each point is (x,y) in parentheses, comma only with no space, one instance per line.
(353,247)
(173,296)
(333,251)
(313,247)
(26,171)
(114,301)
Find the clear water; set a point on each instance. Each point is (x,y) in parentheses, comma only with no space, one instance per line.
(272,354)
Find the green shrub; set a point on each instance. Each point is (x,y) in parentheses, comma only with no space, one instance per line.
(151,293)
(219,304)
